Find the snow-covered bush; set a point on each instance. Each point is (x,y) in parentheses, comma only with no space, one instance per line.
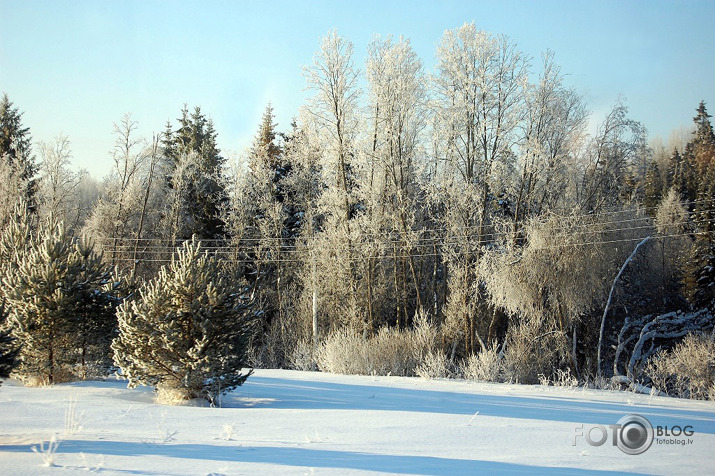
(530,351)
(559,378)
(484,366)
(688,370)
(343,352)
(389,352)
(303,356)
(435,365)
(187,332)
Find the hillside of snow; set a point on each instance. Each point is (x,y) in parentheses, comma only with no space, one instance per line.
(289,422)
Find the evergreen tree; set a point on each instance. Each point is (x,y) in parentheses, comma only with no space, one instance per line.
(16,145)
(14,242)
(684,177)
(703,141)
(699,279)
(186,333)
(652,188)
(204,194)
(8,353)
(265,147)
(704,130)
(53,289)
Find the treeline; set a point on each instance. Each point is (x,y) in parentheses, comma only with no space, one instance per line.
(455,222)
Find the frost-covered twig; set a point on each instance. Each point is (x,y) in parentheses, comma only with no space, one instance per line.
(73,421)
(47,451)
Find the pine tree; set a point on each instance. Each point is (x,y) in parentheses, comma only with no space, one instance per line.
(52,290)
(8,353)
(16,145)
(186,333)
(14,242)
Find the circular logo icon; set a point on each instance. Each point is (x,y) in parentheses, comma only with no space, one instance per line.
(635,434)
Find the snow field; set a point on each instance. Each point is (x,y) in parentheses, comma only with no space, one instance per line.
(289,422)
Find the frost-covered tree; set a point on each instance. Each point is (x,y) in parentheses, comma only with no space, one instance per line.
(61,311)
(331,123)
(549,285)
(186,332)
(393,155)
(59,185)
(479,102)
(555,118)
(479,99)
(126,221)
(615,161)
(333,110)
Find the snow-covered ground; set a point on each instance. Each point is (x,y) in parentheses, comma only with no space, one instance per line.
(288,422)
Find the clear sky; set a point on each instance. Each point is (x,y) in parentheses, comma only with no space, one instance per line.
(75,67)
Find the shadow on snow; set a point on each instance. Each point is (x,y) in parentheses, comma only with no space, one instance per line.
(309,458)
(282,393)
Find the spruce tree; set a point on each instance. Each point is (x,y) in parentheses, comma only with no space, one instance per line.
(699,279)
(652,188)
(203,195)
(16,145)
(265,148)
(186,333)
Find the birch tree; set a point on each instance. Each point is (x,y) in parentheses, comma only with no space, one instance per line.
(333,126)
(59,190)
(479,104)
(393,152)
(554,122)
(115,218)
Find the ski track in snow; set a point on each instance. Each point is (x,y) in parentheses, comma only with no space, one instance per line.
(289,422)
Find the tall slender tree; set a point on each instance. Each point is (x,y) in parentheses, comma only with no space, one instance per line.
(16,146)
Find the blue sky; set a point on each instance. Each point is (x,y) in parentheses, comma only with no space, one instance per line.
(75,67)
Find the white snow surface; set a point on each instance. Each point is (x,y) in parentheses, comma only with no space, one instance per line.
(290,422)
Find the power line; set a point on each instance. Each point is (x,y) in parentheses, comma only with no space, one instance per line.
(422,255)
(286,248)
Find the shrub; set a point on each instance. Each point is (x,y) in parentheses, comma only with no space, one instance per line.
(389,352)
(434,365)
(688,370)
(303,356)
(530,352)
(484,366)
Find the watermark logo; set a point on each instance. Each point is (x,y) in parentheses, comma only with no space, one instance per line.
(633,434)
